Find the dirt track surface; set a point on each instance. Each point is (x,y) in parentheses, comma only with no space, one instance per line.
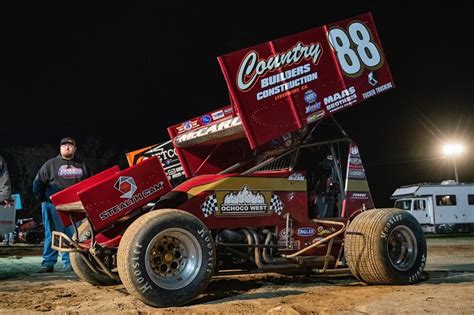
(449,289)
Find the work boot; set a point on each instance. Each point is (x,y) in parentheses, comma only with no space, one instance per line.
(45,269)
(67,268)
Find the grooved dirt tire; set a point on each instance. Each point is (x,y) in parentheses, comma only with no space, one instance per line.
(166,258)
(82,270)
(385,246)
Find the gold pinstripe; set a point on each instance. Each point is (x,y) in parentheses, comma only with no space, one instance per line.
(254,183)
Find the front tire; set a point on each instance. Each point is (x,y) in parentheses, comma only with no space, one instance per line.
(166,258)
(385,246)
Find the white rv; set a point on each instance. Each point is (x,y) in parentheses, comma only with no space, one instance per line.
(444,207)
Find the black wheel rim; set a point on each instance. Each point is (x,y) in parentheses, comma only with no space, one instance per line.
(402,248)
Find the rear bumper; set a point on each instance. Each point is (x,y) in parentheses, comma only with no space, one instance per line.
(63,243)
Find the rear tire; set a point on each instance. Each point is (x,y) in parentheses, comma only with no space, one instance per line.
(82,270)
(385,246)
(166,258)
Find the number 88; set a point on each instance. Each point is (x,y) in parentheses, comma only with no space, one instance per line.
(367,52)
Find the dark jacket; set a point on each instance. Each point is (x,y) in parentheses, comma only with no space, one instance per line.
(5,186)
(56,174)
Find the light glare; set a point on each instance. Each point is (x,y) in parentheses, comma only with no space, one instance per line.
(453,149)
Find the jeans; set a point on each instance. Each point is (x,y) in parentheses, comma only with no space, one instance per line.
(8,238)
(52,222)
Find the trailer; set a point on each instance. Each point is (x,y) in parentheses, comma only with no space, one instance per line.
(439,207)
(264,188)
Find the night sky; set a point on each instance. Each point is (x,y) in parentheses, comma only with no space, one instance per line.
(124,74)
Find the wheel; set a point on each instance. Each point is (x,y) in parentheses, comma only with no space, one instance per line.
(82,270)
(385,246)
(166,258)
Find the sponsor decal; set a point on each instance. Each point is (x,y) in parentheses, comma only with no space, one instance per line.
(168,158)
(357,173)
(341,99)
(69,171)
(355,151)
(130,201)
(419,272)
(206,119)
(144,285)
(284,233)
(226,124)
(187,125)
(252,67)
(242,202)
(306,231)
(359,196)
(315,116)
(372,78)
(296,177)
(167,154)
(355,161)
(289,87)
(377,90)
(310,97)
(388,226)
(356,166)
(126,185)
(323,231)
(207,238)
(217,115)
(275,142)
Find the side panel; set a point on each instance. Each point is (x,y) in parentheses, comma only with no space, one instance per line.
(128,190)
(209,143)
(69,194)
(282,85)
(453,214)
(421,210)
(357,191)
(168,158)
(430,208)
(265,199)
(458,213)
(237,201)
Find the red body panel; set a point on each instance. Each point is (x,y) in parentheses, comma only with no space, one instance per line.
(128,190)
(282,85)
(292,195)
(166,152)
(112,194)
(200,150)
(357,192)
(69,194)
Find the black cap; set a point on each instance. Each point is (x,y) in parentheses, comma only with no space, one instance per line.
(68,140)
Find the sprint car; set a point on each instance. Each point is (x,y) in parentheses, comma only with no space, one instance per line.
(273,183)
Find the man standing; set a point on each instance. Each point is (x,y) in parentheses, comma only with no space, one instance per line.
(57,174)
(5,186)
(5,194)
